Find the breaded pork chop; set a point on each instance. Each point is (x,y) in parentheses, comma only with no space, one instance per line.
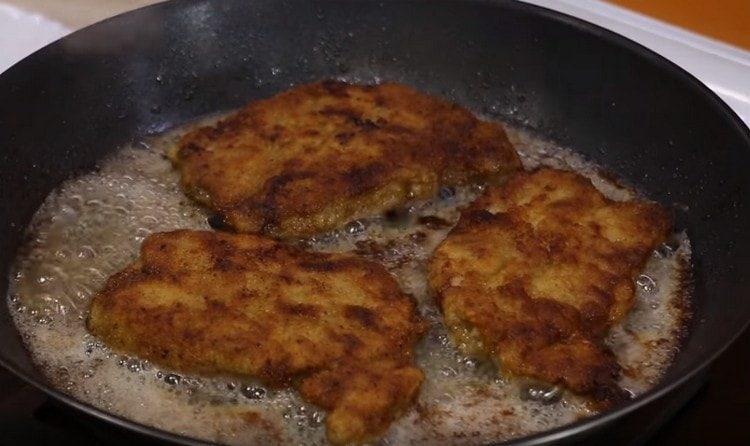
(535,273)
(335,326)
(316,156)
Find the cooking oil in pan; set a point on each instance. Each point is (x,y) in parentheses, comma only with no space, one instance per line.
(92,227)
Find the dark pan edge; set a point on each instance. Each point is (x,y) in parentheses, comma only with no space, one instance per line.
(94,411)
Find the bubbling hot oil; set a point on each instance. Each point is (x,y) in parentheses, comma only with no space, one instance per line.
(92,227)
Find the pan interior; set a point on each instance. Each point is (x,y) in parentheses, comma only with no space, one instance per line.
(93,225)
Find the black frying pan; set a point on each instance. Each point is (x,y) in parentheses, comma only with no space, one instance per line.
(640,116)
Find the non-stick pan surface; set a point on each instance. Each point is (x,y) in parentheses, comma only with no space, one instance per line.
(73,102)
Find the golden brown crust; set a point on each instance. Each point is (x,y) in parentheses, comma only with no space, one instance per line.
(316,156)
(537,270)
(335,325)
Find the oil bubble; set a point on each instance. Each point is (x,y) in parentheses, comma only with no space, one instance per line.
(253,393)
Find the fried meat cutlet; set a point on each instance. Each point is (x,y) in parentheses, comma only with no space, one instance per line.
(314,157)
(335,326)
(537,270)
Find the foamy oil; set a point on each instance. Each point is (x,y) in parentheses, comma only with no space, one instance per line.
(92,227)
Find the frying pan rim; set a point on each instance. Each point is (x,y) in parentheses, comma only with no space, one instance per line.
(565,432)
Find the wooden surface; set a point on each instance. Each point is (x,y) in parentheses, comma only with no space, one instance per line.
(727,20)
